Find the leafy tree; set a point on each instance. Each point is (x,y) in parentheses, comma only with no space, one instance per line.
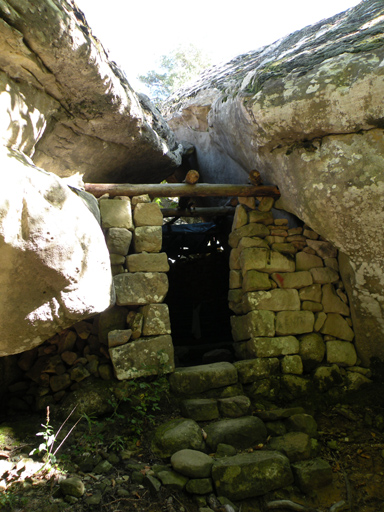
(175,69)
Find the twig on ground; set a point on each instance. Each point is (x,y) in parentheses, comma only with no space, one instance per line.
(337,506)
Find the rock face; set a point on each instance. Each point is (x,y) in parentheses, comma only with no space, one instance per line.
(68,106)
(307,112)
(51,249)
(71,110)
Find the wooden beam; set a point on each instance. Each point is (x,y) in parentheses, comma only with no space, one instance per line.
(181,189)
(198,212)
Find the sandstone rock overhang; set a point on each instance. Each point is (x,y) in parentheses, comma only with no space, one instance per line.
(55,267)
(70,108)
(307,112)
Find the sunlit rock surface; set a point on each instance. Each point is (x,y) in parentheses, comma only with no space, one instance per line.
(307,112)
(54,263)
(66,105)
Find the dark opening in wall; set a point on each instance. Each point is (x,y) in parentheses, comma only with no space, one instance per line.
(198,292)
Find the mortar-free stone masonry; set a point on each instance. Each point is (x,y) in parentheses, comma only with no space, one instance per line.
(306,111)
(291,327)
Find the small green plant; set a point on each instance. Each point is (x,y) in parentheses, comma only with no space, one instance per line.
(10,499)
(118,443)
(142,396)
(94,437)
(45,449)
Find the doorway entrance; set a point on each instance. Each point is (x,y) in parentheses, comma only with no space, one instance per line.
(198,255)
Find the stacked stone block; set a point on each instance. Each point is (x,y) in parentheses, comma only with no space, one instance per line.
(141,343)
(289,301)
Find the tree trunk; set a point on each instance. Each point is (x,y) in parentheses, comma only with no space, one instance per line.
(181,189)
(198,212)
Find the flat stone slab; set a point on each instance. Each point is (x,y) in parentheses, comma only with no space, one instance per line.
(273,347)
(147,262)
(197,379)
(200,409)
(249,230)
(294,322)
(293,279)
(249,475)
(140,288)
(272,300)
(239,432)
(144,356)
(250,370)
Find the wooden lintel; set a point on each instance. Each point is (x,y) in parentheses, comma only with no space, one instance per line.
(181,189)
(198,212)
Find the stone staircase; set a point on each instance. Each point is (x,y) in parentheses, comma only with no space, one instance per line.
(252,451)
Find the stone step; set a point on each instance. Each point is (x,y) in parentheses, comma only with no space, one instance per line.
(198,379)
(251,474)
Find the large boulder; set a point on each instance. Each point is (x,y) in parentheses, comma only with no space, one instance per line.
(51,249)
(64,103)
(251,474)
(307,112)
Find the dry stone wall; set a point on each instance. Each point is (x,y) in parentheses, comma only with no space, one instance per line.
(134,239)
(131,339)
(291,313)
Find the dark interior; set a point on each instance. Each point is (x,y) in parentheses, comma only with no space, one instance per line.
(198,255)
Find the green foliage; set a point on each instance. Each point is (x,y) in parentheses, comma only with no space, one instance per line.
(175,69)
(11,500)
(94,437)
(133,409)
(166,202)
(142,397)
(45,448)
